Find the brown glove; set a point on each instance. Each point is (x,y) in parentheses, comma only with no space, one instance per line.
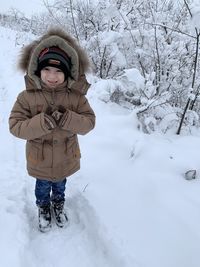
(58,113)
(49,110)
(63,119)
(49,122)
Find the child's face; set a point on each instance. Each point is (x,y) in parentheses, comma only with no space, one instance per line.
(52,76)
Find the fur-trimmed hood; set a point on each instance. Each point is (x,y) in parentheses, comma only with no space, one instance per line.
(54,37)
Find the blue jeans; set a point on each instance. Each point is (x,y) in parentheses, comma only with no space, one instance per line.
(46,191)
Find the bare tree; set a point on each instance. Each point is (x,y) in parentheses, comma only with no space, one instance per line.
(190,103)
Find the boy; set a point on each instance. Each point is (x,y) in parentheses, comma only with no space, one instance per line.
(49,114)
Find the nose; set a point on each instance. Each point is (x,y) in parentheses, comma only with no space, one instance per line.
(52,76)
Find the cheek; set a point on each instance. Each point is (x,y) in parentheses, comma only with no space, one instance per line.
(43,74)
(62,77)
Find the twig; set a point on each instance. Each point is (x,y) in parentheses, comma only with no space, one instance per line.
(172,29)
(84,189)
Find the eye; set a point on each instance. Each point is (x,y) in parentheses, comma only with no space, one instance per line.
(46,68)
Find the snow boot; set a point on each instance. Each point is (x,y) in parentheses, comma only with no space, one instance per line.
(44,213)
(59,214)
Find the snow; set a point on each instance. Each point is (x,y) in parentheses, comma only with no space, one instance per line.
(129,205)
(112,39)
(33,7)
(195,11)
(133,75)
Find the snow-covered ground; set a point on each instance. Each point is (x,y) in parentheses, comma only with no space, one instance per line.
(128,206)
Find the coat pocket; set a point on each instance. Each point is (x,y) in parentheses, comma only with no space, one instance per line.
(72,150)
(32,153)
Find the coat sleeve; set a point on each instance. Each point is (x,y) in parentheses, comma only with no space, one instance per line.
(22,124)
(82,121)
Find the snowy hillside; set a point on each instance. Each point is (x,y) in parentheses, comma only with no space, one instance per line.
(128,206)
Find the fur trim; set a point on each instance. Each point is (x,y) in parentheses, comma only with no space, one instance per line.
(55,36)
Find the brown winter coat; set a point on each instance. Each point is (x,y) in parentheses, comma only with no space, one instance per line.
(52,154)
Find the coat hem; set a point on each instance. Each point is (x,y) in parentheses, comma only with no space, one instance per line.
(56,179)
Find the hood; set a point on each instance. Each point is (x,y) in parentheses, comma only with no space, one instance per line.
(54,37)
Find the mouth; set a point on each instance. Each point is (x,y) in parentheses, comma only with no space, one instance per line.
(52,83)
